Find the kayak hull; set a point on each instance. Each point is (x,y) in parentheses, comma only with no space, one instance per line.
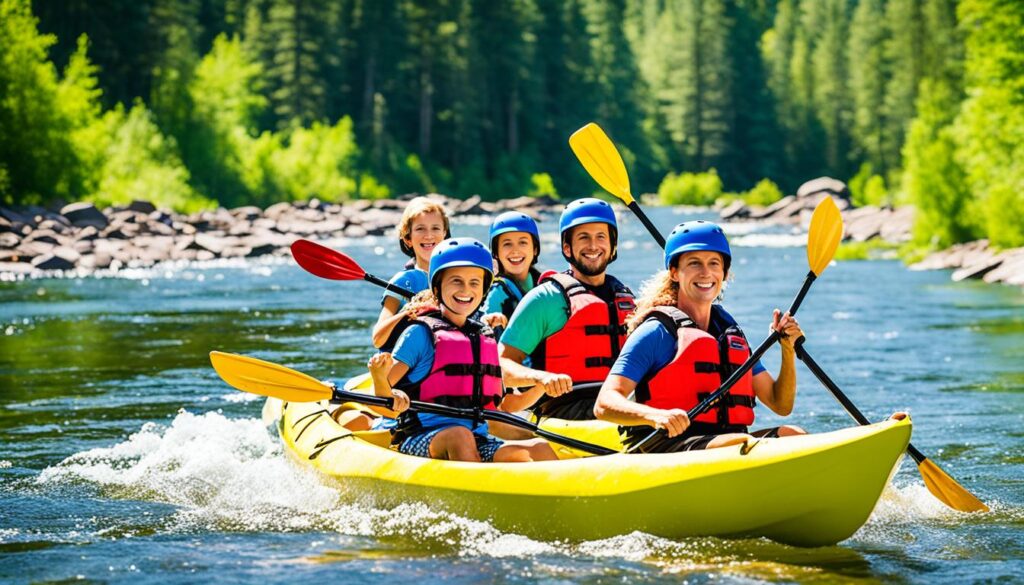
(811,490)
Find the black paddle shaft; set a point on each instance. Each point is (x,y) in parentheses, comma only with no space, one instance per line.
(827,382)
(472,414)
(391,287)
(635,208)
(717,395)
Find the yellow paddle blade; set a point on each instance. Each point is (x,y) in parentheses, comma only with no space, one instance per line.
(599,156)
(268,379)
(825,234)
(947,490)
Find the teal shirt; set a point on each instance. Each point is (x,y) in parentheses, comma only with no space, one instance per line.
(497,295)
(542,313)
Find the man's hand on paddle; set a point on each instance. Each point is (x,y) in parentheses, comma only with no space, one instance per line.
(555,384)
(674,421)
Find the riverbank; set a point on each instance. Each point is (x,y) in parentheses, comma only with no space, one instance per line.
(893,225)
(80,239)
(37,241)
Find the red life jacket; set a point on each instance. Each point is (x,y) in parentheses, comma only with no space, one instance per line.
(587,345)
(465,372)
(699,367)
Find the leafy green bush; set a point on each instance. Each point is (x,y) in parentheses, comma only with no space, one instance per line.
(764,193)
(541,185)
(140,163)
(690,188)
(319,161)
(867,188)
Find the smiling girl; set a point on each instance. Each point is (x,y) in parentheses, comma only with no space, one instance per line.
(515,245)
(445,357)
(423,226)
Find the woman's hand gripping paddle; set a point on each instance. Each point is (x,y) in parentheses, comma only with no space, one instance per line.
(599,156)
(333,265)
(938,482)
(272,380)
(822,240)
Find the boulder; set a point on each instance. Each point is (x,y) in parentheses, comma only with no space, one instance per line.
(469,206)
(57,227)
(1010,270)
(44,236)
(5,225)
(33,249)
(355,231)
(248,213)
(735,210)
(828,185)
(59,259)
(142,206)
(88,233)
(898,227)
(278,210)
(261,250)
(9,240)
(82,214)
(15,268)
(95,261)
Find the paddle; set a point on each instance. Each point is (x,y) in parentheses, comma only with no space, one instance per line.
(822,240)
(268,379)
(599,156)
(333,265)
(938,482)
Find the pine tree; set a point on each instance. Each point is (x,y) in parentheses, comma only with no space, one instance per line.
(831,96)
(904,50)
(868,70)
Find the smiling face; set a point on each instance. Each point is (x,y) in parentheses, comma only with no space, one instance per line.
(515,253)
(590,247)
(700,276)
(462,290)
(426,232)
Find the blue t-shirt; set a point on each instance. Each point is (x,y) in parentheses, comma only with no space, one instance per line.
(412,279)
(651,347)
(415,348)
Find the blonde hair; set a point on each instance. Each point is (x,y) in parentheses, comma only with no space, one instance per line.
(415,208)
(422,302)
(660,291)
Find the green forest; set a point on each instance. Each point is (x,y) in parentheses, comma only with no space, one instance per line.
(197,103)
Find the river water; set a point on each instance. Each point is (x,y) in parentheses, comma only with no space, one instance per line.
(124,458)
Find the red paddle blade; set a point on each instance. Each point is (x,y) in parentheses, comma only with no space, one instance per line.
(325,262)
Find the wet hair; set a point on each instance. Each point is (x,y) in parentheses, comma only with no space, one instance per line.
(415,208)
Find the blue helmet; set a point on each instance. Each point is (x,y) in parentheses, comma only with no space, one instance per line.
(455,252)
(514,221)
(696,236)
(589,210)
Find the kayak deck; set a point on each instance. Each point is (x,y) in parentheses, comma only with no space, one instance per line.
(809,490)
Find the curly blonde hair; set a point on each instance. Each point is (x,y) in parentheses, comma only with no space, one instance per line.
(424,301)
(660,291)
(415,208)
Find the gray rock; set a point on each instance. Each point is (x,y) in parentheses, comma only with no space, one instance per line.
(355,231)
(898,226)
(9,240)
(95,261)
(15,268)
(33,249)
(5,225)
(1010,270)
(976,270)
(469,206)
(828,185)
(43,236)
(248,213)
(735,210)
(142,206)
(60,259)
(261,250)
(84,214)
(88,233)
(278,210)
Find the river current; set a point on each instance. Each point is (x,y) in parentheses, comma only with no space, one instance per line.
(124,458)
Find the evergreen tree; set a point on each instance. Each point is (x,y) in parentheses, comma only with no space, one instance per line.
(904,50)
(868,70)
(830,19)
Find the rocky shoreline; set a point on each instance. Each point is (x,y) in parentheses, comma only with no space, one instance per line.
(79,239)
(971,260)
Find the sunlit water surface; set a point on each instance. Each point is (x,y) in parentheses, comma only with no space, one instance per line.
(124,458)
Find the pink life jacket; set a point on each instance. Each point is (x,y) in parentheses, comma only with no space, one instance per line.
(466,372)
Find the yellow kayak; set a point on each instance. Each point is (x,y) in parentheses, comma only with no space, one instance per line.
(810,490)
